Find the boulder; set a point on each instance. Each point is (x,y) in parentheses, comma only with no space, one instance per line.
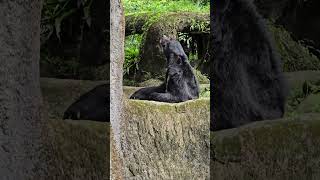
(294,56)
(279,149)
(310,104)
(152,58)
(129,90)
(171,141)
(135,23)
(301,18)
(167,141)
(296,81)
(77,149)
(74,149)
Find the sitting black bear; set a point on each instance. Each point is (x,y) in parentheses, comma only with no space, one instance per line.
(247,82)
(180,83)
(93,105)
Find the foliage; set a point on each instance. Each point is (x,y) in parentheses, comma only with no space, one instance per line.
(54,12)
(162,6)
(205,92)
(151,11)
(132,46)
(200,26)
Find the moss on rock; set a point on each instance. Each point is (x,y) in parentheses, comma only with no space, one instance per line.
(310,104)
(279,149)
(152,58)
(295,57)
(135,23)
(167,140)
(295,95)
(150,82)
(296,79)
(74,149)
(204,88)
(202,79)
(77,149)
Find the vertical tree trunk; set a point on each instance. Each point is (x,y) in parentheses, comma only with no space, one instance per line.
(20,97)
(116,106)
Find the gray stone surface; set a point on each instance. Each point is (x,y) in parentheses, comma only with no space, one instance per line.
(167,141)
(277,150)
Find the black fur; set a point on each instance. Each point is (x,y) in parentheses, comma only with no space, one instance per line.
(180,83)
(247,83)
(93,105)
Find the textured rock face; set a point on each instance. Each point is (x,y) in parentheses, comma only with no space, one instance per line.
(167,141)
(294,56)
(78,150)
(163,141)
(21,125)
(74,149)
(280,149)
(301,18)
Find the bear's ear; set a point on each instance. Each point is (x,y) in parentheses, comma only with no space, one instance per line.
(220,5)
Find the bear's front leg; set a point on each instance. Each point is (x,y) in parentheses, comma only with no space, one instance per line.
(144,93)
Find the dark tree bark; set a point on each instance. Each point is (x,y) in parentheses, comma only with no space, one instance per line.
(20,97)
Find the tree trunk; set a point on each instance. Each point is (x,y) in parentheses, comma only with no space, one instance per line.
(20,97)
(116,104)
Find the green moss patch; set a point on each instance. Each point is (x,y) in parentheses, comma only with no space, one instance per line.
(278,149)
(77,149)
(295,57)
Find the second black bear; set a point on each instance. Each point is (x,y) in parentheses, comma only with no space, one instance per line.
(247,82)
(93,105)
(180,83)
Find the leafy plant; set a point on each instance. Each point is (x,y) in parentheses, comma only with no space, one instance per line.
(200,26)
(205,92)
(161,6)
(184,37)
(132,51)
